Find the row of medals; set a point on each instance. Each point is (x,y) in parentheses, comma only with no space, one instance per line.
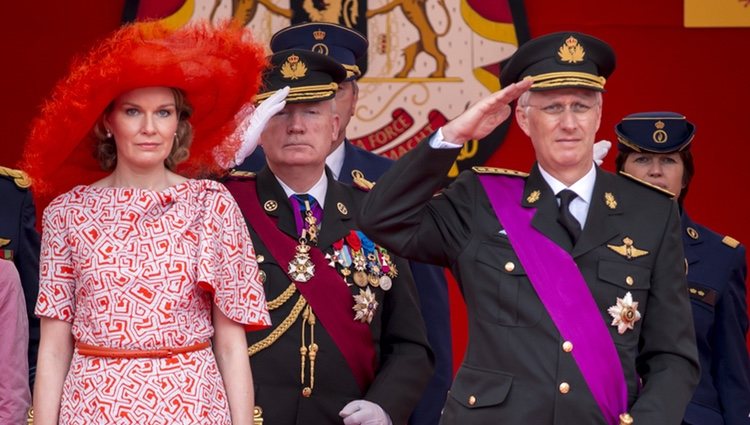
(367,264)
(371,264)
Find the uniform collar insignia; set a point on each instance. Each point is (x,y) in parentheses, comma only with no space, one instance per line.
(610,200)
(625,313)
(270,205)
(627,249)
(692,233)
(4,242)
(534,196)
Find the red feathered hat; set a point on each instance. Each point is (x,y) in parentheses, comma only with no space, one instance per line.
(218,68)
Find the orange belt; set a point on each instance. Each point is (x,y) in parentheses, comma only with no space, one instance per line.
(118,353)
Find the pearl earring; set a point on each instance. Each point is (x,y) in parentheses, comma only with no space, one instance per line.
(109,134)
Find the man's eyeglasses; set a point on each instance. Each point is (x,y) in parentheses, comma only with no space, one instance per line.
(556,109)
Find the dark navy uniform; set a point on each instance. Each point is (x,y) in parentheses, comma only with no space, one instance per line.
(716,280)
(716,273)
(19,241)
(403,354)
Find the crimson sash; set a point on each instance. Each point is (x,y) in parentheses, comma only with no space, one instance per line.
(326,291)
(563,291)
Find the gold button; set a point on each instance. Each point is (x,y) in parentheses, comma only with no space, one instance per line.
(509,266)
(567,346)
(564,388)
(260,258)
(262,276)
(472,400)
(629,280)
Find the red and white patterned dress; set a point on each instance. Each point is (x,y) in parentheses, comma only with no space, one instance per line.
(139,269)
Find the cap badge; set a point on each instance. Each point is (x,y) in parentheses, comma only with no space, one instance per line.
(625,313)
(293,68)
(627,250)
(571,51)
(610,200)
(533,196)
(660,136)
(320,48)
(319,34)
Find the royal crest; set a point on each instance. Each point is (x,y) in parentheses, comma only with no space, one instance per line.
(319,34)
(293,68)
(627,249)
(659,135)
(571,51)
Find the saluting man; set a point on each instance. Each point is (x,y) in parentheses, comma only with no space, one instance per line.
(19,242)
(346,160)
(348,343)
(574,277)
(656,147)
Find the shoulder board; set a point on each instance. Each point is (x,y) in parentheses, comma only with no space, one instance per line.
(730,241)
(20,178)
(242,174)
(647,184)
(360,182)
(500,171)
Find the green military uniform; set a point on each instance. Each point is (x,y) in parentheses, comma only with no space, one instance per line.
(626,265)
(516,368)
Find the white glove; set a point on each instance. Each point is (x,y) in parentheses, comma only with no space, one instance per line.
(363,412)
(600,150)
(256,122)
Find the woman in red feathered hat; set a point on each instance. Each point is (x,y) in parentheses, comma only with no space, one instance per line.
(148,279)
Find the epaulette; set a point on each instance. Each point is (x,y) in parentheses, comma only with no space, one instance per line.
(730,241)
(20,178)
(360,182)
(647,184)
(241,175)
(500,171)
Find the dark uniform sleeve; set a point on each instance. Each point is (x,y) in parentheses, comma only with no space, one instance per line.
(27,263)
(401,213)
(731,364)
(406,361)
(667,361)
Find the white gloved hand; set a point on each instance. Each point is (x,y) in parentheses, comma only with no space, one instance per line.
(363,412)
(600,150)
(256,123)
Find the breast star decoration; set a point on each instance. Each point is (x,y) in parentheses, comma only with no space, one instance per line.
(625,313)
(365,305)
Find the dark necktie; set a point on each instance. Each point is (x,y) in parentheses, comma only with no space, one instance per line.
(565,217)
(307,215)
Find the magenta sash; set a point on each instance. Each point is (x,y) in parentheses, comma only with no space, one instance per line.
(326,291)
(563,291)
